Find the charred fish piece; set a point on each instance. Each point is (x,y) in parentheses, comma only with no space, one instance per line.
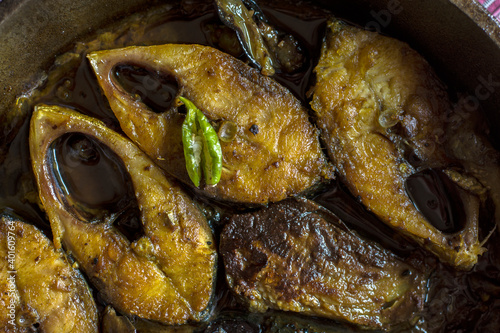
(270,150)
(297,256)
(167,274)
(382,111)
(39,286)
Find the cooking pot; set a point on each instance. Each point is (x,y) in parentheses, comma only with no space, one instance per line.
(458,37)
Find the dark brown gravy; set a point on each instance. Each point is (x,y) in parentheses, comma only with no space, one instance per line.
(81,165)
(434,196)
(457,301)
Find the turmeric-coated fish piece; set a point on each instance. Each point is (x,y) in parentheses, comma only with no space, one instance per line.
(270,149)
(382,112)
(297,256)
(39,288)
(165,275)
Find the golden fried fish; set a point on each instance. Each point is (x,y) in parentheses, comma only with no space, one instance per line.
(270,149)
(382,112)
(297,256)
(167,274)
(38,285)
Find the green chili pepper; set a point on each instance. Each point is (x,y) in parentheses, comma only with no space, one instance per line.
(192,149)
(202,150)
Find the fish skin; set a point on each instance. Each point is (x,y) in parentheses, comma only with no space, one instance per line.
(297,256)
(171,280)
(282,158)
(359,75)
(50,292)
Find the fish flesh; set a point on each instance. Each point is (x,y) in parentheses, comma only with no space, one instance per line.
(39,287)
(274,151)
(382,111)
(166,275)
(297,256)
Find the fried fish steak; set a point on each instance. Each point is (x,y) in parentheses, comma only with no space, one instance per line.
(167,275)
(43,289)
(381,108)
(275,151)
(296,256)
